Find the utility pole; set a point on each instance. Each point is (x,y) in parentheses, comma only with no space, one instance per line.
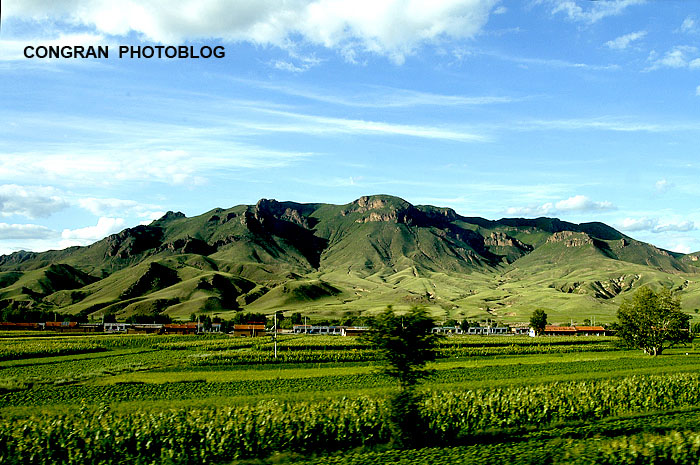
(274,335)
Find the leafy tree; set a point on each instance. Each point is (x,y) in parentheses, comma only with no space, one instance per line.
(538,320)
(652,321)
(696,329)
(406,344)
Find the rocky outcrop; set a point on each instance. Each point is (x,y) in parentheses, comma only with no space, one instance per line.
(133,241)
(570,238)
(378,209)
(171,215)
(499,239)
(614,286)
(281,211)
(188,245)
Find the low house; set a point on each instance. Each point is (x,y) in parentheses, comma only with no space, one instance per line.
(520,329)
(353,330)
(63,326)
(489,331)
(552,330)
(9,326)
(318,330)
(145,328)
(254,329)
(182,328)
(590,331)
(115,327)
(447,330)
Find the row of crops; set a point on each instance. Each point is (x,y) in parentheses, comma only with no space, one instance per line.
(672,448)
(22,348)
(213,435)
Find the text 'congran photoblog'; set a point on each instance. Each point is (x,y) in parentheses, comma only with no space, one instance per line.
(125,51)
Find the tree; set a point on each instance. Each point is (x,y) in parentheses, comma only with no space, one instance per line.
(652,321)
(538,320)
(406,344)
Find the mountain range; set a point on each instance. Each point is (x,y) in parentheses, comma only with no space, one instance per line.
(334,260)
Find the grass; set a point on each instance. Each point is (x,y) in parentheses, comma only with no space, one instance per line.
(158,375)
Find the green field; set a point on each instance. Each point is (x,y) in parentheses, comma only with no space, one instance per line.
(216,399)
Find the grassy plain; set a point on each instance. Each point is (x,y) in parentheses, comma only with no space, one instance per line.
(489,399)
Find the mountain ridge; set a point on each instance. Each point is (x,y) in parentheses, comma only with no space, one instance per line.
(358,257)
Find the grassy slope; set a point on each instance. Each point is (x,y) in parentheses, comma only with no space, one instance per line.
(330,260)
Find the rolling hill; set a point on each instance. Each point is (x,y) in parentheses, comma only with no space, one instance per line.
(331,260)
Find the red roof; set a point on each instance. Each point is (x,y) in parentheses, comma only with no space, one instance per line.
(590,328)
(251,326)
(570,329)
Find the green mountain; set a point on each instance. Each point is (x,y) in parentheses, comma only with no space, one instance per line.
(332,260)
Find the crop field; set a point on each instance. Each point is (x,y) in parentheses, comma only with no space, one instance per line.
(149,399)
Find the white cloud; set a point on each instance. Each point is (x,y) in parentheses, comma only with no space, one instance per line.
(105,166)
(593,12)
(321,125)
(680,56)
(697,91)
(577,203)
(388,97)
(662,185)
(638,224)
(393,28)
(624,41)
(500,10)
(85,236)
(29,201)
(605,123)
(682,226)
(655,225)
(683,246)
(582,203)
(690,25)
(25,231)
(116,207)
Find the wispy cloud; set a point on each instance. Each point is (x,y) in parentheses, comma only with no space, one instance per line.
(592,12)
(120,207)
(322,125)
(680,56)
(624,41)
(690,25)
(655,225)
(388,97)
(536,61)
(30,201)
(25,231)
(663,185)
(577,203)
(606,123)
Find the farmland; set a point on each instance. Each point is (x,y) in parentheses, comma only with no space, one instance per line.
(215,399)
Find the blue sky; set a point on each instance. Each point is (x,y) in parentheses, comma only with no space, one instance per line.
(581,110)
